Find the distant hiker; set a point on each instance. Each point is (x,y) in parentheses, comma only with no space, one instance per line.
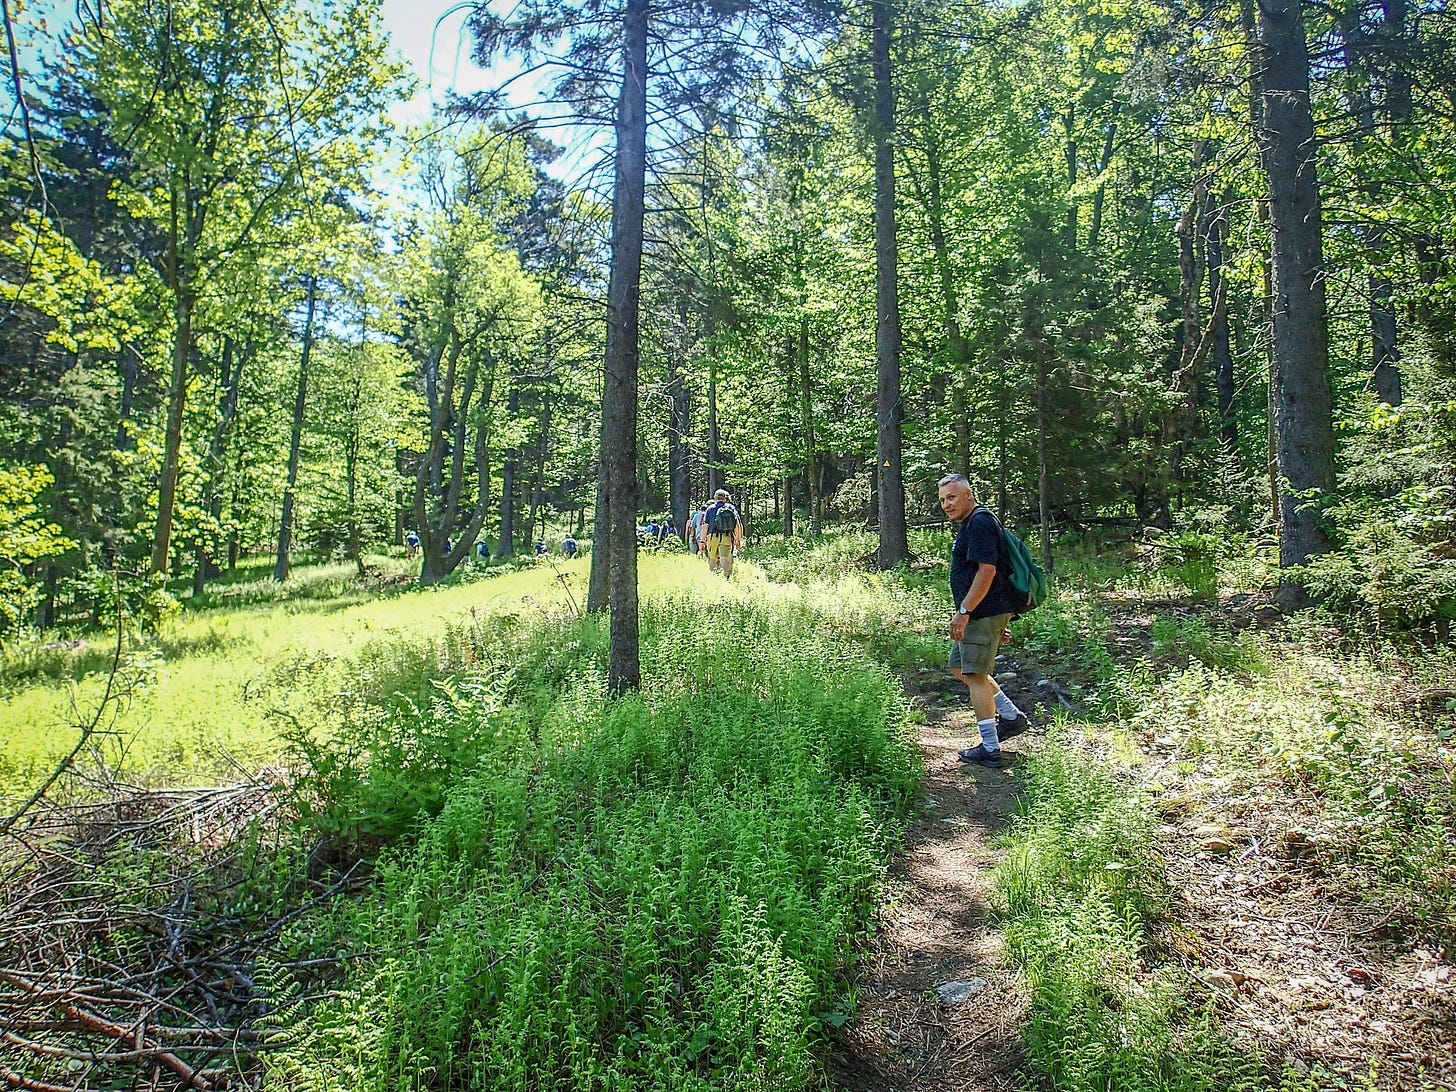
(664,530)
(985,602)
(724,527)
(482,552)
(697,536)
(540,546)
(568,546)
(411,544)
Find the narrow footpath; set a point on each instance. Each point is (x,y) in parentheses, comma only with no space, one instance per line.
(937,1009)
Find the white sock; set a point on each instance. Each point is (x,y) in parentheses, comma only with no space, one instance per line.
(988,735)
(1006,707)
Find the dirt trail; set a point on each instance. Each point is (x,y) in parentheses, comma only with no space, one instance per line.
(935,929)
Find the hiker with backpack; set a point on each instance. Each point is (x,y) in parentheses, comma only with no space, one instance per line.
(697,532)
(724,527)
(981,573)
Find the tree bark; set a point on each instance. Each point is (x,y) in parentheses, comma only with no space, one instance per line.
(619,392)
(1300,380)
(715,471)
(894,548)
(679,467)
(812,480)
(172,444)
(295,442)
(507,547)
(231,370)
(538,491)
(1215,236)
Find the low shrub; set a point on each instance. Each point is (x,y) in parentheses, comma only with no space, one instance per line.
(661,891)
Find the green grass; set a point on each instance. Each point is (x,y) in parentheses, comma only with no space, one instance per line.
(663,891)
(218,684)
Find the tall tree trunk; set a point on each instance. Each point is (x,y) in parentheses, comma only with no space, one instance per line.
(172,444)
(538,490)
(715,470)
(812,478)
(679,468)
(507,547)
(1385,377)
(1248,19)
(1215,235)
(1180,420)
(231,369)
(1385,372)
(1099,198)
(889,409)
(619,393)
(1300,380)
(295,442)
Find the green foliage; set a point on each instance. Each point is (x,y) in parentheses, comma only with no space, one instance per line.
(1384,573)
(661,891)
(1182,639)
(24,540)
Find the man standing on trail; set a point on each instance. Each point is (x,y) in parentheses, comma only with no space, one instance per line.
(985,601)
(724,527)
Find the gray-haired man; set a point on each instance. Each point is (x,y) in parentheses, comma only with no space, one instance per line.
(985,602)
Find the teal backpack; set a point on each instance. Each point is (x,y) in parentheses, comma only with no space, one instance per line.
(1025,575)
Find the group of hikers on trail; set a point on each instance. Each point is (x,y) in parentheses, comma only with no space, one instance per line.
(988,568)
(482,547)
(717,532)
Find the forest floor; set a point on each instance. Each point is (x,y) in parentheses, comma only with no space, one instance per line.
(1263,926)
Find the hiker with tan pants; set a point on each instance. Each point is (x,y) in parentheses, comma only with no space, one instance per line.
(724,537)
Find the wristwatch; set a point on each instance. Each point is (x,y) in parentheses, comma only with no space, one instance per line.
(964,611)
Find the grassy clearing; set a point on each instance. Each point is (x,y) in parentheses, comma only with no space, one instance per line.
(216,687)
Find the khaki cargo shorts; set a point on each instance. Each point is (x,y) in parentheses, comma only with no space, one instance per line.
(975,653)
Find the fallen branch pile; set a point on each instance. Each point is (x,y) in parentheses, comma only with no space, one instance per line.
(129,946)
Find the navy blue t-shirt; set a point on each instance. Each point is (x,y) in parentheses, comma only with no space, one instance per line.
(979,543)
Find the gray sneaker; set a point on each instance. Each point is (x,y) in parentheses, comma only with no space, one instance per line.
(980,756)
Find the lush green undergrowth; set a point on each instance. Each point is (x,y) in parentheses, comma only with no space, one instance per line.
(1346,738)
(662,891)
(1079,887)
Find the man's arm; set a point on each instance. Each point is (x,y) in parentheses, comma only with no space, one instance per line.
(738,531)
(979,587)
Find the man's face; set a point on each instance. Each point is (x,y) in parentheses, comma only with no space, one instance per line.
(956,500)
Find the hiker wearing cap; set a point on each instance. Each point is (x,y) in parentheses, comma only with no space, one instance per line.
(985,602)
(724,533)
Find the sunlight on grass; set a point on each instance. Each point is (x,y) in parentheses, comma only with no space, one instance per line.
(218,685)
